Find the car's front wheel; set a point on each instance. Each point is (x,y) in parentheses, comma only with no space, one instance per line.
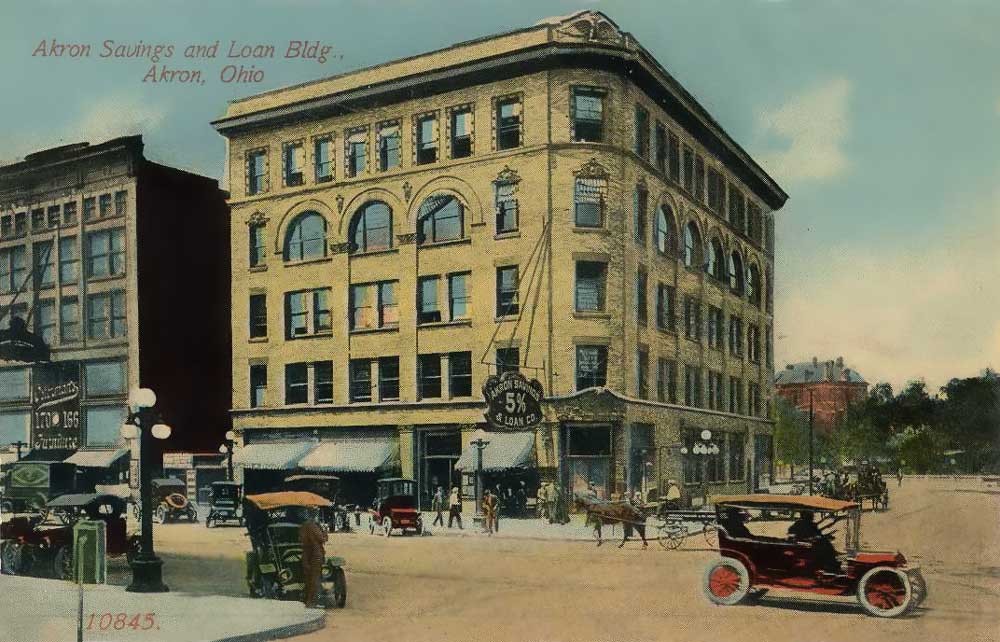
(726,581)
(62,563)
(387,526)
(885,592)
(11,558)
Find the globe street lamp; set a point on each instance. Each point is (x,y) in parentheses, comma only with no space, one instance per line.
(147,568)
(480,441)
(227,449)
(704,448)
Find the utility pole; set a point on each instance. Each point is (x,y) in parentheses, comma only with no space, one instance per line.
(19,444)
(810,442)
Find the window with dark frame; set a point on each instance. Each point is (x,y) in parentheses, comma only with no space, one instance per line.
(428,310)
(356,151)
(69,213)
(640,205)
(69,320)
(508,119)
(692,387)
(306,237)
(663,231)
(660,147)
(371,228)
(258,316)
(674,157)
(506,207)
(641,132)
(360,375)
(441,218)
(388,378)
(45,264)
(429,376)
(461,132)
(21,222)
(459,301)
(460,374)
(699,179)
(256,176)
(296,383)
(390,141)
(106,253)
(373,306)
(665,307)
(736,278)
(692,318)
(106,315)
(736,451)
(45,320)
(258,385)
(590,286)
(666,380)
(587,113)
(641,296)
(735,336)
(323,159)
(257,247)
(642,373)
(294,162)
(508,360)
(427,139)
(588,201)
(13,268)
(689,169)
(737,208)
(716,327)
(307,313)
(591,366)
(322,382)
(507,291)
(103,204)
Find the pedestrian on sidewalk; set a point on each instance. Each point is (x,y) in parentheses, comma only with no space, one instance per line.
(899,477)
(437,505)
(489,510)
(312,537)
(521,503)
(542,501)
(553,496)
(455,508)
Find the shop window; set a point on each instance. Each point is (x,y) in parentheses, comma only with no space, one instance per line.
(459,301)
(389,146)
(508,123)
(590,286)
(461,132)
(587,115)
(507,291)
(429,376)
(104,424)
(104,378)
(591,366)
(14,384)
(441,218)
(361,380)
(371,229)
(306,237)
(508,360)
(296,383)
(427,139)
(323,159)
(388,378)
(258,385)
(460,374)
(258,316)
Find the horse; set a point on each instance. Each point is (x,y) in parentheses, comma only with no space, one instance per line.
(605,512)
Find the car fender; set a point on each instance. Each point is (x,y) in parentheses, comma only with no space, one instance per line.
(742,557)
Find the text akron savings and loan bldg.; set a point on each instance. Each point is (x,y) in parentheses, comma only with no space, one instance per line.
(549,200)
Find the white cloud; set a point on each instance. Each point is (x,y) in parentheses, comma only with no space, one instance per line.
(814,124)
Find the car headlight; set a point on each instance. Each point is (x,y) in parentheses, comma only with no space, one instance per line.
(284,575)
(327,571)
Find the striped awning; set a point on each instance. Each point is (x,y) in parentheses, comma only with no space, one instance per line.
(505,451)
(96,458)
(353,455)
(272,455)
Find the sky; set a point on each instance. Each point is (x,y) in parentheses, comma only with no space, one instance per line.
(881,120)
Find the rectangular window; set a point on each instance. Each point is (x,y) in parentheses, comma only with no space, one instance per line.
(506,207)
(323,159)
(692,463)
(429,376)
(716,327)
(427,300)
(692,386)
(665,307)
(753,391)
(361,380)
(735,336)
(258,316)
(12,268)
(507,290)
(256,174)
(45,320)
(753,343)
(14,384)
(692,318)
(389,146)
(590,286)
(388,378)
(716,390)
(6,226)
(294,162)
(68,260)
(587,115)
(258,385)
(588,201)
(689,169)
(460,374)
(89,209)
(323,381)
(104,205)
(37,220)
(737,448)
(104,425)
(641,133)
(257,248)
(106,253)
(715,465)
(642,374)
(641,299)
(374,305)
(296,383)
(52,214)
(591,366)
(307,313)
(508,117)
(121,201)
(674,157)
(356,151)
(666,380)
(640,206)
(45,264)
(427,139)
(388,306)
(737,207)
(699,179)
(104,378)
(69,320)
(508,360)
(735,396)
(458,296)
(660,151)
(21,223)
(69,213)
(106,315)
(461,132)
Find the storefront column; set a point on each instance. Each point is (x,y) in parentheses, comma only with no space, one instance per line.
(406,446)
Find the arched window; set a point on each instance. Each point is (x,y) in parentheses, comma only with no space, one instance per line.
(663,232)
(692,245)
(716,266)
(753,284)
(306,237)
(441,218)
(371,228)
(736,272)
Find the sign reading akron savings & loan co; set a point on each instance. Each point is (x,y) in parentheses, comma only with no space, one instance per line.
(512,401)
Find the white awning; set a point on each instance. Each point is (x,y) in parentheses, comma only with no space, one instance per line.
(506,450)
(96,458)
(272,455)
(353,455)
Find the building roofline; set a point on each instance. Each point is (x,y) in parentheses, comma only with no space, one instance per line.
(70,153)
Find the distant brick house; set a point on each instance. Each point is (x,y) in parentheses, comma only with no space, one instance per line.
(834,387)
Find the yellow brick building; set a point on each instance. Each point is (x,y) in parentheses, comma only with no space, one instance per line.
(550,198)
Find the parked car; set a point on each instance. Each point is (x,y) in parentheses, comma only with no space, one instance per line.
(225,504)
(274,565)
(395,507)
(171,502)
(335,518)
(29,485)
(751,562)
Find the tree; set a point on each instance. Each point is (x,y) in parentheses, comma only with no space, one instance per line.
(791,433)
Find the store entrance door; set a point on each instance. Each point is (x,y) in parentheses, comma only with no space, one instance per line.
(439,452)
(588,460)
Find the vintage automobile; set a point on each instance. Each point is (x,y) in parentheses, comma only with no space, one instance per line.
(274,565)
(30,546)
(170,499)
(225,504)
(334,518)
(395,507)
(751,563)
(29,485)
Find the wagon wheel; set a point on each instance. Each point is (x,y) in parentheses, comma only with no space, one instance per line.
(670,535)
(885,592)
(11,558)
(160,514)
(726,581)
(387,526)
(711,534)
(339,588)
(208,521)
(918,586)
(62,563)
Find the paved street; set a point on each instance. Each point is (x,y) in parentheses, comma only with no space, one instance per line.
(476,588)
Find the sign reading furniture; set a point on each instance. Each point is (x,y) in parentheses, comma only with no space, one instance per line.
(55,406)
(513,401)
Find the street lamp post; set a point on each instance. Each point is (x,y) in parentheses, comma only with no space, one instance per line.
(480,442)
(147,568)
(227,449)
(705,448)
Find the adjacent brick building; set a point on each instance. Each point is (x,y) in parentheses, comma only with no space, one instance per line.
(549,199)
(833,387)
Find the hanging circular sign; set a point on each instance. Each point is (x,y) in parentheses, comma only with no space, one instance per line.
(513,401)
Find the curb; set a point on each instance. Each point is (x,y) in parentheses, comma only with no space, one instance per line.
(281,632)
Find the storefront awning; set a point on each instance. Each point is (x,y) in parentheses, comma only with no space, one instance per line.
(272,455)
(353,455)
(96,458)
(506,450)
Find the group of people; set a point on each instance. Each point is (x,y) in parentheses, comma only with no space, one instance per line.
(453,503)
(552,504)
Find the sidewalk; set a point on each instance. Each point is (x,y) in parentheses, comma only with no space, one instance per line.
(44,610)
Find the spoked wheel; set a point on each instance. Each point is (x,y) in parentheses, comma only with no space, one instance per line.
(339,588)
(918,586)
(160,515)
(208,521)
(670,535)
(11,558)
(419,530)
(62,563)
(711,534)
(885,592)
(387,526)
(726,581)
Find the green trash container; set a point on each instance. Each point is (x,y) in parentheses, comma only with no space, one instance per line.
(89,553)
